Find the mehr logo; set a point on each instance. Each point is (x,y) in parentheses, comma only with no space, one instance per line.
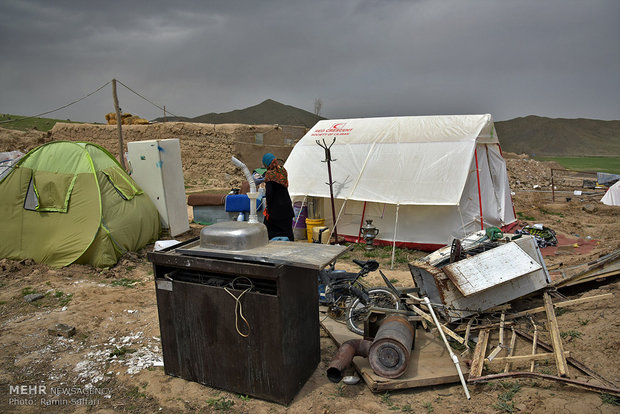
(27,389)
(337,127)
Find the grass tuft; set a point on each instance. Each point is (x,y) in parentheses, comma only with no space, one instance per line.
(126,282)
(610,399)
(220,404)
(571,334)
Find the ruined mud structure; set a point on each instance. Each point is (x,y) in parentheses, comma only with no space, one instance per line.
(206,149)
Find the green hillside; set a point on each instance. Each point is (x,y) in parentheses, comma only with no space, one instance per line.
(541,136)
(601,164)
(24,123)
(267,112)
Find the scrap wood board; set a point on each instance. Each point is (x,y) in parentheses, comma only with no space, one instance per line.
(429,363)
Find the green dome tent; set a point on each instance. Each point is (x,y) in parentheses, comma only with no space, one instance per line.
(71,202)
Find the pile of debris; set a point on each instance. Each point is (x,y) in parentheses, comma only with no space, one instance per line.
(473,285)
(525,173)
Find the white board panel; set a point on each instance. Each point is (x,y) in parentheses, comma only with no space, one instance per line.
(491,268)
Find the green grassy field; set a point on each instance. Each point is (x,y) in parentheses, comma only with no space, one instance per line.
(23,123)
(593,164)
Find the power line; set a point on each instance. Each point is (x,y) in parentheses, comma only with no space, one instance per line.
(152,103)
(58,109)
(84,97)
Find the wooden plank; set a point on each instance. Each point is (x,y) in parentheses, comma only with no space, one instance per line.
(429,362)
(491,268)
(588,278)
(585,385)
(556,340)
(575,363)
(561,304)
(479,327)
(446,330)
(424,321)
(603,267)
(501,328)
(467,332)
(525,358)
(534,343)
(504,307)
(477,361)
(500,345)
(511,351)
(494,353)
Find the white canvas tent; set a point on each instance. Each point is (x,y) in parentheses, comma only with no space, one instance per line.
(612,196)
(420,179)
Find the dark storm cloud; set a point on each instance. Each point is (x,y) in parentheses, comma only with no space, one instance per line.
(556,58)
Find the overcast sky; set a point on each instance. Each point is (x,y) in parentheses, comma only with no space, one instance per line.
(362,58)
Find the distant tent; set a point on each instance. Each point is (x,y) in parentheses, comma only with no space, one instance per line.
(612,196)
(607,178)
(421,179)
(71,202)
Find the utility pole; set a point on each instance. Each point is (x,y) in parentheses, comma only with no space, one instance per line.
(164,113)
(118,124)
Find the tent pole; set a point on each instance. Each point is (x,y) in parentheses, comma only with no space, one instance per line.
(359,233)
(394,241)
(512,202)
(300,209)
(479,194)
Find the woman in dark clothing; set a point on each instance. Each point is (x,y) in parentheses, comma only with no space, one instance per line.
(279,212)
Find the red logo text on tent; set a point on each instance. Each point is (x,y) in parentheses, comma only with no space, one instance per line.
(335,129)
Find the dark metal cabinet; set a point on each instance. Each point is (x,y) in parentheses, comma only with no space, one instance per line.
(199,323)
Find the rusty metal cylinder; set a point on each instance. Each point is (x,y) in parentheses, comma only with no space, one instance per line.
(390,351)
(344,356)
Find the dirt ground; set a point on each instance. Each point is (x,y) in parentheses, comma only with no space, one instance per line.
(113,363)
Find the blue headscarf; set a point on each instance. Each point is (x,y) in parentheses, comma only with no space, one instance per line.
(268,159)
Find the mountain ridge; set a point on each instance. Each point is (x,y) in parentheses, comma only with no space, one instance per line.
(536,135)
(532,134)
(267,112)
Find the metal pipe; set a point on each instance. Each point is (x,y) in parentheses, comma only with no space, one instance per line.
(344,356)
(389,353)
(443,336)
(252,195)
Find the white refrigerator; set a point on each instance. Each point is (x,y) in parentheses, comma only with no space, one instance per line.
(156,167)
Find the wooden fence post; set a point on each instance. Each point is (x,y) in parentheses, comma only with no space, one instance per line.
(118,125)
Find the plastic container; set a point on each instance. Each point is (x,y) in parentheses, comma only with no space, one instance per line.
(311,224)
(299,221)
(322,298)
(320,234)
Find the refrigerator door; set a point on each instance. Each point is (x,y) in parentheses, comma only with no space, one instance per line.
(157,169)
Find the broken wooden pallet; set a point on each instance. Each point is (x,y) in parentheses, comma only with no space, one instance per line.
(604,267)
(562,358)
